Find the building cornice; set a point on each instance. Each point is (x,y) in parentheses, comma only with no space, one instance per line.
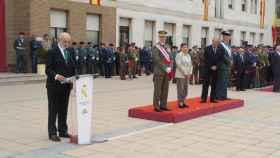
(169,12)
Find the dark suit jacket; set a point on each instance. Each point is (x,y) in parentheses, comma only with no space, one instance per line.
(239,64)
(57,65)
(211,58)
(275,63)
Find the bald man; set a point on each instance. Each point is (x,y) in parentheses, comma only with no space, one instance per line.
(60,65)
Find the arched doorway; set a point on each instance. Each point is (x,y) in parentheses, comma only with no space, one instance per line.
(3,65)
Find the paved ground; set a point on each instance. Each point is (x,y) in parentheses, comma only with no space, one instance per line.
(249,132)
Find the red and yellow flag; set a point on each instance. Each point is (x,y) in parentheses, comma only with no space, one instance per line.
(94,2)
(262,13)
(205,14)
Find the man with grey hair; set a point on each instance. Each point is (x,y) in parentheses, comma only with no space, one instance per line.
(213,57)
(60,65)
(275,64)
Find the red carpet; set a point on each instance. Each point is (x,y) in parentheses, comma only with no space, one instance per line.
(266,89)
(196,109)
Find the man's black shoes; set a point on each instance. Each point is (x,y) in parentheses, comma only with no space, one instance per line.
(54,138)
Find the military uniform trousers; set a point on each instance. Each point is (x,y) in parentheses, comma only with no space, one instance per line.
(182,89)
(161,87)
(222,84)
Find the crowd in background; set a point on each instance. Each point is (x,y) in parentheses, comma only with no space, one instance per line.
(251,67)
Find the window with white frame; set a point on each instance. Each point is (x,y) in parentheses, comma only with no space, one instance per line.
(244,5)
(254,5)
(242,38)
(58,23)
(252,38)
(261,38)
(204,37)
(149,33)
(93,28)
(231,4)
(186,34)
(170,28)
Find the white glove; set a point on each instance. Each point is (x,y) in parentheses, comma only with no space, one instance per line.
(168,69)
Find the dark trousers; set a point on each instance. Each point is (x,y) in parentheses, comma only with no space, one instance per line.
(108,70)
(34,62)
(20,62)
(250,79)
(240,76)
(276,84)
(101,68)
(58,98)
(210,78)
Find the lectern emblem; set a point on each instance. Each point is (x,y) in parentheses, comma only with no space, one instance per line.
(84,91)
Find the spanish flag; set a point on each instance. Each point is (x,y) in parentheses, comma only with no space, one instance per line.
(262,13)
(205,15)
(94,2)
(274,30)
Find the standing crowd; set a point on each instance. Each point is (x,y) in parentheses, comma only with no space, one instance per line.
(218,65)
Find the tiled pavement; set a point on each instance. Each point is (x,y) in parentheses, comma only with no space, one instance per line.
(249,132)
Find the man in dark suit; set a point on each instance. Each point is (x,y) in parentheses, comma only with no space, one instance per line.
(239,69)
(60,65)
(275,64)
(212,58)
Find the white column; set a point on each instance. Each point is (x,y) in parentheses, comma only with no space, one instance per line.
(211,34)
(178,34)
(196,34)
(236,38)
(137,31)
(117,31)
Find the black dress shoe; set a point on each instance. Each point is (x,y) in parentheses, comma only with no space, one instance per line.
(213,101)
(165,109)
(203,101)
(64,135)
(54,138)
(158,110)
(183,106)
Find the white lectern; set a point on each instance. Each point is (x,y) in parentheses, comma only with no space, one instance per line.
(83,100)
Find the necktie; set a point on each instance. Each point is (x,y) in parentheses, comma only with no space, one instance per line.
(214,50)
(66,55)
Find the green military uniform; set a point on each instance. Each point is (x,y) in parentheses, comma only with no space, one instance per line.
(262,64)
(133,58)
(83,55)
(92,62)
(123,61)
(201,65)
(161,76)
(195,62)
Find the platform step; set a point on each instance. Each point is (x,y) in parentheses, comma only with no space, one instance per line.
(196,109)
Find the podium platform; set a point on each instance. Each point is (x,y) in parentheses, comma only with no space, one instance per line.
(195,110)
(266,89)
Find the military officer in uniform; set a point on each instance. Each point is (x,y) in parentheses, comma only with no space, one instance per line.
(20,47)
(75,51)
(162,61)
(91,62)
(223,71)
(195,62)
(83,57)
